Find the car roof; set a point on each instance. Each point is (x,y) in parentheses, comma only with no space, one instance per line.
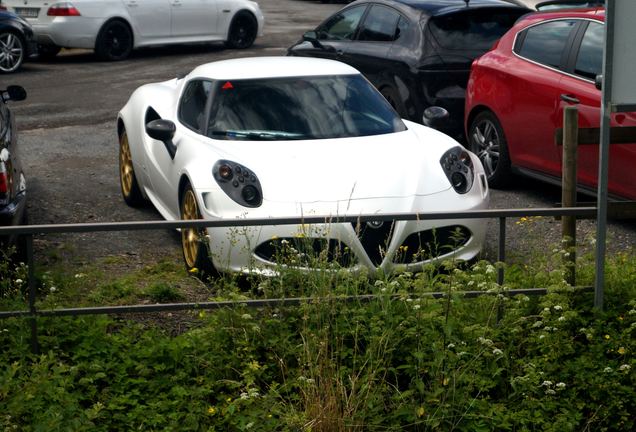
(442,7)
(271,67)
(597,13)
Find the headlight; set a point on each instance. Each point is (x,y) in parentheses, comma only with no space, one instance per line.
(238,182)
(458,167)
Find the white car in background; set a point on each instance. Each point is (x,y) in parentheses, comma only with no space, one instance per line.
(113,28)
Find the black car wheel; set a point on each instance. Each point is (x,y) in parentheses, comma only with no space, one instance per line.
(193,241)
(130,190)
(242,31)
(114,41)
(487,140)
(11,52)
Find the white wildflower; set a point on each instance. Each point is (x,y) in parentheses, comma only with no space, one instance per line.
(53,289)
(497,352)
(244,396)
(471,282)
(607,370)
(550,392)
(558,308)
(541,337)
(19,281)
(562,318)
(450,346)
(246,316)
(416,307)
(546,384)
(490,269)
(538,324)
(546,310)
(560,386)
(624,367)
(79,275)
(484,341)
(378,283)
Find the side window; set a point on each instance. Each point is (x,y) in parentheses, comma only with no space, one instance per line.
(402,27)
(589,62)
(380,25)
(192,104)
(342,26)
(546,43)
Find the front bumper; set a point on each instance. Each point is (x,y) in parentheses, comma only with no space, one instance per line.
(391,246)
(13,214)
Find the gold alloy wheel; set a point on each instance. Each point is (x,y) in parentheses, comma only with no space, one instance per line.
(125,166)
(190,238)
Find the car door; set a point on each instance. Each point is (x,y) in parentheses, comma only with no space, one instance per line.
(542,51)
(163,171)
(150,19)
(578,86)
(335,35)
(372,43)
(195,18)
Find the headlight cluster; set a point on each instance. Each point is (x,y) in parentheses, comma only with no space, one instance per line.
(458,167)
(238,182)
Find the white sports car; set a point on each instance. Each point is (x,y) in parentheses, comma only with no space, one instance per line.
(114,27)
(295,137)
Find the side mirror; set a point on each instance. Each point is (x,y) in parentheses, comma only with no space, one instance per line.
(310,36)
(163,130)
(598,82)
(435,117)
(14,93)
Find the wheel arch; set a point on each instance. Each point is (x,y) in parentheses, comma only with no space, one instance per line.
(184,180)
(474,112)
(240,13)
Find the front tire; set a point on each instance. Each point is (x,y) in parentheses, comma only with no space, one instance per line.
(114,41)
(11,52)
(130,190)
(193,241)
(487,140)
(242,32)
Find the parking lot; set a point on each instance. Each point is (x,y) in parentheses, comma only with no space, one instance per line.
(67,132)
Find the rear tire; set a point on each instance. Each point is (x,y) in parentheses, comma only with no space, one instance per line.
(487,140)
(114,41)
(194,242)
(243,31)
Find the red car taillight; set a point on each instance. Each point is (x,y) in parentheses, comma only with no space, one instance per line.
(4,181)
(63,9)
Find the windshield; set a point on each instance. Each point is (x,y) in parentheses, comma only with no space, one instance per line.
(299,108)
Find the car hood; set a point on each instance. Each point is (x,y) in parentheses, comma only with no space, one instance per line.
(397,165)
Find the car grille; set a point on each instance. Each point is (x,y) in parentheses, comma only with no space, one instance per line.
(375,238)
(306,252)
(428,244)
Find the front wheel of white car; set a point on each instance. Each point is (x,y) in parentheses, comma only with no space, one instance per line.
(194,241)
(130,190)
(242,31)
(11,52)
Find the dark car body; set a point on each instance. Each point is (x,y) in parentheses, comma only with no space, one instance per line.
(12,179)
(16,41)
(416,52)
(518,91)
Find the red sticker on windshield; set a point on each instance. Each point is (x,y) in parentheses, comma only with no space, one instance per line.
(228,85)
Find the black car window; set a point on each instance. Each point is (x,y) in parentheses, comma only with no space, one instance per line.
(343,25)
(379,25)
(545,43)
(299,108)
(402,27)
(472,29)
(589,62)
(192,105)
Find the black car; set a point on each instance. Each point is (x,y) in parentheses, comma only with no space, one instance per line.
(416,52)
(12,180)
(16,41)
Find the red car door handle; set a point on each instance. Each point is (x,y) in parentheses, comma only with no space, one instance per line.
(570,99)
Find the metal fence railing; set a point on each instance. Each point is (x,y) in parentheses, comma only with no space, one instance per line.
(30,230)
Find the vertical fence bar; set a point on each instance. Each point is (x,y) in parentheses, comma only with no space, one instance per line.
(568,191)
(501,252)
(501,257)
(35,347)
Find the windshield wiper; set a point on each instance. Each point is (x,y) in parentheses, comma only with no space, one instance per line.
(255,134)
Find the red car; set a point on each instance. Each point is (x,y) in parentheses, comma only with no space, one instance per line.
(517,91)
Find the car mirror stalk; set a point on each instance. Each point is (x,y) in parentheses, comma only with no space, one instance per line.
(163,130)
